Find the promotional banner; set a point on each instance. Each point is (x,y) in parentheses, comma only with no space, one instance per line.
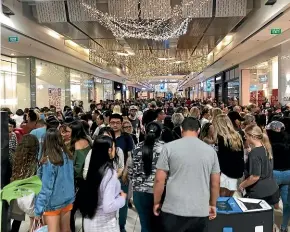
(54,97)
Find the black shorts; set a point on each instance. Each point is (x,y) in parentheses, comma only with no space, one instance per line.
(174,223)
(273,199)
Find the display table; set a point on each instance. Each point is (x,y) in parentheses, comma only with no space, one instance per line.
(242,215)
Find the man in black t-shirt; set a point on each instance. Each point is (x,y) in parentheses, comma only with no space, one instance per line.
(134,120)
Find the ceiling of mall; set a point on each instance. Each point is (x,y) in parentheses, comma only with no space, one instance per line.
(208,24)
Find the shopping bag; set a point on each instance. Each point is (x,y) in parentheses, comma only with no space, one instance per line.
(38,226)
(26,204)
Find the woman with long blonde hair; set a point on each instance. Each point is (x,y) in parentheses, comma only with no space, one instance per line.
(215,112)
(259,182)
(117,109)
(230,154)
(194,112)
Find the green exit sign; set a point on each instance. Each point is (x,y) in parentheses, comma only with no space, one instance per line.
(276,31)
(13,39)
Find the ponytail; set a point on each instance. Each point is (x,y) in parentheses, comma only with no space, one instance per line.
(153,132)
(267,145)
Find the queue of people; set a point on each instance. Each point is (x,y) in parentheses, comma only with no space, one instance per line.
(151,154)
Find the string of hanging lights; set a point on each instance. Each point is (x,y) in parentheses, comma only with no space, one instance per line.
(157,29)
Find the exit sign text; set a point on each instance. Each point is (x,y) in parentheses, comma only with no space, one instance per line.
(13,39)
(276,31)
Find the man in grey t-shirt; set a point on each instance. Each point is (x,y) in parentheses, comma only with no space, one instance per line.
(192,171)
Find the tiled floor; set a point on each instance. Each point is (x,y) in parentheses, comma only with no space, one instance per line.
(133,224)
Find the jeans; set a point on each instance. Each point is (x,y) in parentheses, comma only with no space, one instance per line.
(144,205)
(123,212)
(283,180)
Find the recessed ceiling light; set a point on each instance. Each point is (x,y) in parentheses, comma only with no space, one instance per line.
(12,54)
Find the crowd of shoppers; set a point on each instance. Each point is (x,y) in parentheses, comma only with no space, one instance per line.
(154,152)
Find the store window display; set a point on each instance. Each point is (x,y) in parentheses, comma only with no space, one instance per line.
(264,82)
(14,82)
(81,85)
(50,84)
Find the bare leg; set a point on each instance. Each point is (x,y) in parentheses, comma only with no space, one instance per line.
(53,223)
(65,222)
(224,192)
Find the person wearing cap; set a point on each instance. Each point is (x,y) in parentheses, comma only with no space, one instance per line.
(50,122)
(237,120)
(132,117)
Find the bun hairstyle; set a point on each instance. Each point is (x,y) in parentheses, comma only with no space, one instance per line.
(153,133)
(257,133)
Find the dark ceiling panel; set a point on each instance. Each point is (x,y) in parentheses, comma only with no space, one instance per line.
(66,29)
(94,30)
(222,26)
(187,42)
(136,44)
(197,27)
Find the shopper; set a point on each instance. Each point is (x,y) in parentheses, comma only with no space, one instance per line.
(101,196)
(54,202)
(230,154)
(125,142)
(79,147)
(24,165)
(128,128)
(207,134)
(132,117)
(100,125)
(194,112)
(259,182)
(279,140)
(142,174)
(192,186)
(205,116)
(177,119)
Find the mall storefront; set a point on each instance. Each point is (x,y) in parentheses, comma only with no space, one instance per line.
(264,77)
(30,82)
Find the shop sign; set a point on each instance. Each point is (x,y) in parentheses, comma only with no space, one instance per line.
(263,78)
(13,39)
(286,98)
(276,31)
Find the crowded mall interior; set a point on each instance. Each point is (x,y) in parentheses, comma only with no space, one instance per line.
(145,115)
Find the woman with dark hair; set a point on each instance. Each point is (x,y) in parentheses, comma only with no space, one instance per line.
(24,165)
(18,117)
(142,174)
(167,134)
(100,195)
(54,202)
(79,147)
(118,159)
